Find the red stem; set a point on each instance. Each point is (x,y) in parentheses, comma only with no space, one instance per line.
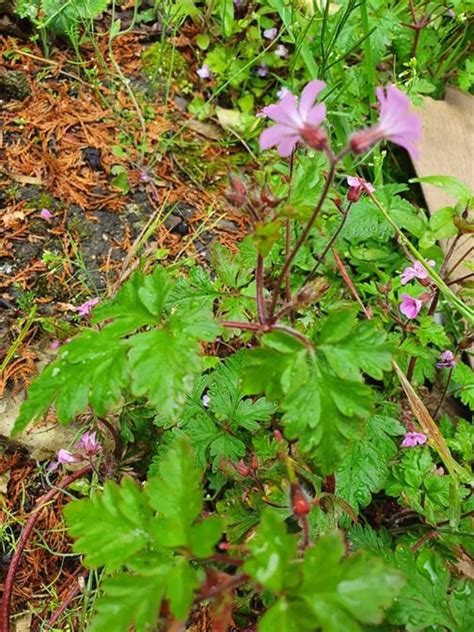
(66,602)
(262,318)
(28,528)
(302,238)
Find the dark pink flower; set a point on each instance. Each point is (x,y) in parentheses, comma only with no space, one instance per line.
(446,360)
(410,306)
(411,439)
(46,214)
(417,271)
(85,308)
(396,124)
(295,121)
(88,442)
(356,187)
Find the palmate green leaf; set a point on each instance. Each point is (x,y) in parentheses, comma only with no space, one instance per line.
(343,592)
(326,414)
(227,401)
(181,582)
(91,369)
(163,366)
(424,601)
(131,599)
(176,495)
(139,302)
(351,347)
(287,615)
(111,526)
(365,470)
(272,551)
(211,441)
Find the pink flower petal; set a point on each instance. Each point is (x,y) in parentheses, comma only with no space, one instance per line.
(308,97)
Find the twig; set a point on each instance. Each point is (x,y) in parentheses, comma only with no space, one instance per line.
(66,601)
(350,285)
(30,523)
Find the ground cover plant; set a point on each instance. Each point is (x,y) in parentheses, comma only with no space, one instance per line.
(269,396)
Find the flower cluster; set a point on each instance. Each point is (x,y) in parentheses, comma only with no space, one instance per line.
(446,360)
(86,447)
(411,306)
(300,122)
(412,439)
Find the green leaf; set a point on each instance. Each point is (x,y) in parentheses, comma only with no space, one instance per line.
(342,592)
(325,413)
(111,526)
(272,554)
(350,347)
(287,616)
(464,377)
(181,582)
(91,369)
(139,302)
(453,187)
(365,469)
(205,535)
(424,600)
(131,599)
(163,367)
(176,495)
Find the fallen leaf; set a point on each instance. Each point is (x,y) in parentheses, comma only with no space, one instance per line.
(208,130)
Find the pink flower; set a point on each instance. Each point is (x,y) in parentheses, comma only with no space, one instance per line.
(88,442)
(55,344)
(356,187)
(446,360)
(204,72)
(262,70)
(417,271)
(410,306)
(396,124)
(411,439)
(281,51)
(85,308)
(270,34)
(64,456)
(46,214)
(296,121)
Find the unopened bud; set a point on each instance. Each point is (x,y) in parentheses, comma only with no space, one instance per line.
(237,194)
(254,464)
(354,194)
(361,141)
(242,469)
(312,292)
(299,502)
(278,436)
(267,199)
(314,137)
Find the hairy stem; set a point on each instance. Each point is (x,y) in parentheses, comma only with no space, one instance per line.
(302,238)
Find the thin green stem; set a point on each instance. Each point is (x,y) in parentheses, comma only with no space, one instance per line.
(369,59)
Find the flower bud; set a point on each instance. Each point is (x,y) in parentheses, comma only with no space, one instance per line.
(314,137)
(242,469)
(299,502)
(278,436)
(237,194)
